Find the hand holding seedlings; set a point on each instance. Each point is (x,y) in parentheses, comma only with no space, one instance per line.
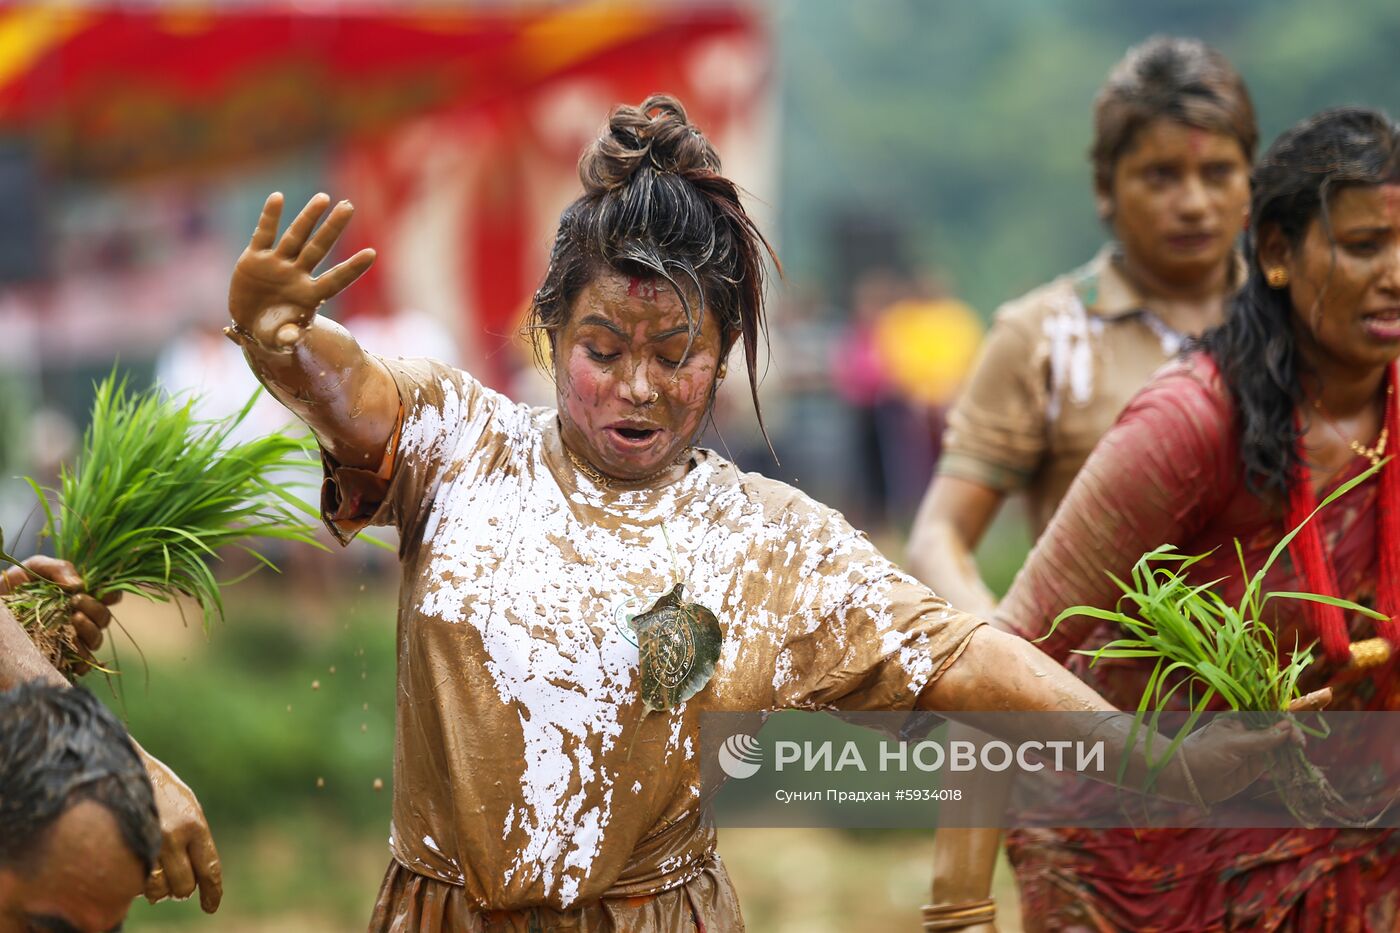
(88,616)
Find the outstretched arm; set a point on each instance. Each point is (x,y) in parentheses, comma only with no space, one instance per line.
(1000,672)
(311,364)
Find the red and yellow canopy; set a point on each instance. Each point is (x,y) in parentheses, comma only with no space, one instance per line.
(121,91)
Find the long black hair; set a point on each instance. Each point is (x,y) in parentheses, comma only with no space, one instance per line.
(655,205)
(1255,348)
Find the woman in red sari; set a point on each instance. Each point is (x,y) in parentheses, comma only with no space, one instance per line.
(1292,397)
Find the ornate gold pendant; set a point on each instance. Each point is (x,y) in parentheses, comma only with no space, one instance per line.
(679,644)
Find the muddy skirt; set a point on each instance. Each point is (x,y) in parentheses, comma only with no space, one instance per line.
(411,903)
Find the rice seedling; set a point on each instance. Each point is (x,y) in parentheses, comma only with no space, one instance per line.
(153,496)
(1208,650)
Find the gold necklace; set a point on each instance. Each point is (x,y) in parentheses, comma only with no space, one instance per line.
(586,469)
(1373,453)
(607,482)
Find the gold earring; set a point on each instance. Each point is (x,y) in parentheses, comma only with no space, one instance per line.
(1277,277)
(723,370)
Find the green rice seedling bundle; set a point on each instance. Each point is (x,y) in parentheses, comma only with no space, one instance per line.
(1207,650)
(153,496)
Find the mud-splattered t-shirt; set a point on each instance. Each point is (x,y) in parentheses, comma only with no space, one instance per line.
(518,692)
(1058,366)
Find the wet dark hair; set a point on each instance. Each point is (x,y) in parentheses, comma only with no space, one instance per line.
(1255,348)
(655,205)
(60,746)
(1168,76)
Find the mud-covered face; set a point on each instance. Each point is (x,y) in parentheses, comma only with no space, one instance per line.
(1345,288)
(1178,200)
(631,398)
(84,878)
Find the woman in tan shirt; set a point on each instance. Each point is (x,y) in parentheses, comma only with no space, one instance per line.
(531,793)
(1174,135)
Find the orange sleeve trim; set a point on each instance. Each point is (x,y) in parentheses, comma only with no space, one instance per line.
(352,498)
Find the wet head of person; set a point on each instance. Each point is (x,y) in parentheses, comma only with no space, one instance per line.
(79,831)
(1321,305)
(1174,137)
(1330,221)
(655,273)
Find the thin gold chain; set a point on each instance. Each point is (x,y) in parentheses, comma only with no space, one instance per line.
(607,482)
(586,469)
(1373,453)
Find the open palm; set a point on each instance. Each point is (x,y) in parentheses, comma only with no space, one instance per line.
(275,291)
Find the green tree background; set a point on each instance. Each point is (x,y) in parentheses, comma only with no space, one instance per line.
(968,124)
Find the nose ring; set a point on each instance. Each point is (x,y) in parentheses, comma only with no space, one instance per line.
(654,396)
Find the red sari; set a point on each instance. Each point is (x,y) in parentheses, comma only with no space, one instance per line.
(1169,472)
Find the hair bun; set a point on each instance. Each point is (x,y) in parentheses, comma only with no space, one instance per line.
(655,136)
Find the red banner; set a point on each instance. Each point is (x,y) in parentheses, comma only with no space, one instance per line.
(455,132)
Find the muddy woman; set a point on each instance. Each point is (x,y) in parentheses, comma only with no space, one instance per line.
(1288,400)
(546,768)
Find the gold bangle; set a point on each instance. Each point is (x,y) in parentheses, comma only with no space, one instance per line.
(939,910)
(958,916)
(1370,652)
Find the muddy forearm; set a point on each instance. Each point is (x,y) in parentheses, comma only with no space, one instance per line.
(999,673)
(952,518)
(20,661)
(343,394)
(942,560)
(965,859)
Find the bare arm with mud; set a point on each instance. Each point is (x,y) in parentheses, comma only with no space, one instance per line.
(1000,672)
(950,523)
(310,364)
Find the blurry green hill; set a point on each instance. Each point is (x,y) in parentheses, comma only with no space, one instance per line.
(967,124)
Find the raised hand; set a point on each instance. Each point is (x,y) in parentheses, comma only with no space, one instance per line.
(274,292)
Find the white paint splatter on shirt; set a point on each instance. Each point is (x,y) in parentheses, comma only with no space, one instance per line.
(520,578)
(1069,331)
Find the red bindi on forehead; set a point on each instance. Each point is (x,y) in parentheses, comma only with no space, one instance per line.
(638,287)
(1390,198)
(1196,140)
